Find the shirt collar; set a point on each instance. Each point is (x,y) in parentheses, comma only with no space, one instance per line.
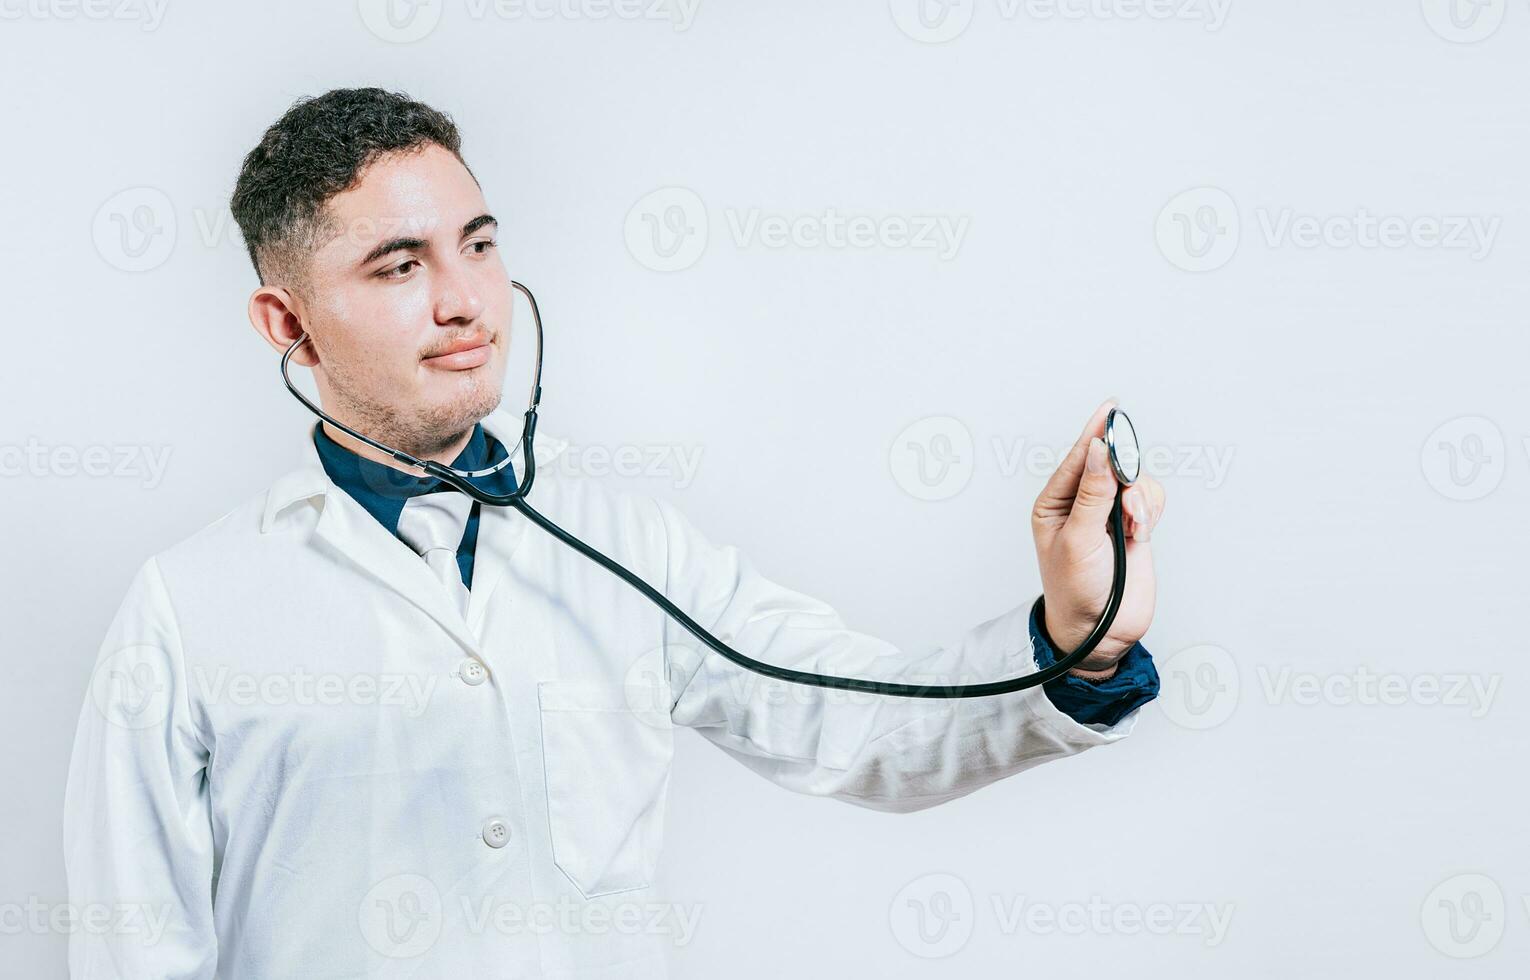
(383,490)
(311,480)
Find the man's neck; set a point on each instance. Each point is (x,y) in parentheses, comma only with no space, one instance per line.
(444,455)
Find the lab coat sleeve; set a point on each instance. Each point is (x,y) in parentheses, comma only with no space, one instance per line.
(884,753)
(137,833)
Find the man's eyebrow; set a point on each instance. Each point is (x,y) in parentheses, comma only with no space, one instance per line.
(392,245)
(479,222)
(400,244)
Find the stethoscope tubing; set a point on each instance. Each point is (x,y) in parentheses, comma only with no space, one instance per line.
(887,688)
(461,480)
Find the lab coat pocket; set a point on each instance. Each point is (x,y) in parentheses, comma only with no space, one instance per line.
(606,752)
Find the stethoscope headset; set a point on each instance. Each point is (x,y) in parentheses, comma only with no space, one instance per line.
(1125,462)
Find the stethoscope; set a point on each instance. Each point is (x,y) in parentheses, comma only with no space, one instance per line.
(1125,462)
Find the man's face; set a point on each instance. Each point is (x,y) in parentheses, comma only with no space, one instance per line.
(409,305)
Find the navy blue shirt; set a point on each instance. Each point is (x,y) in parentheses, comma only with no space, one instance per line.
(383,492)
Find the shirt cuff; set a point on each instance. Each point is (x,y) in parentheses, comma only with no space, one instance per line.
(1106,702)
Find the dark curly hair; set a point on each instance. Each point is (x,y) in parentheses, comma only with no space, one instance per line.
(316,150)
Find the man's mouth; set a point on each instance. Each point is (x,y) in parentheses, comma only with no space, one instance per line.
(462,355)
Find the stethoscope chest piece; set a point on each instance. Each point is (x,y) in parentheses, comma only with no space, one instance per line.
(1121,441)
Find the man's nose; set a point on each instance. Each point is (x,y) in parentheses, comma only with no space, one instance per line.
(457,294)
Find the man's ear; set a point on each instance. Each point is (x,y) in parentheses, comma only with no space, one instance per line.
(277,315)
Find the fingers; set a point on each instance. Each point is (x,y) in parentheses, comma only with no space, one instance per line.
(1144,504)
(1095,497)
(1056,497)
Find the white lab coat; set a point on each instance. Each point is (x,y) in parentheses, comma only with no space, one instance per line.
(297,759)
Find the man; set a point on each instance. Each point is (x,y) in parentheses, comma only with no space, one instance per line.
(362,726)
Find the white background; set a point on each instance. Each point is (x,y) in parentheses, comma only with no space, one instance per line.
(1337,545)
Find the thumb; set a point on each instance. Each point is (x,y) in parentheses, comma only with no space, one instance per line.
(1096,496)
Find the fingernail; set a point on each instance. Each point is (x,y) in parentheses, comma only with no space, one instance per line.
(1096,460)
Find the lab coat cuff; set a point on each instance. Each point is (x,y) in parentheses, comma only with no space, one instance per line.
(1099,705)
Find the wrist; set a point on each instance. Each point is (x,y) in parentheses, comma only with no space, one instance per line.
(1095,676)
(1101,663)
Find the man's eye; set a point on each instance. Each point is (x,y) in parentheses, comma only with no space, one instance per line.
(400,270)
(484,246)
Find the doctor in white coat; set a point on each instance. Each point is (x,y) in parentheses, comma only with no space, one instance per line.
(348,731)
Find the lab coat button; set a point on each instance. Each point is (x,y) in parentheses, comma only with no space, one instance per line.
(472,671)
(496,833)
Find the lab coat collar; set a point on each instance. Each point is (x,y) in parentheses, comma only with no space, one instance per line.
(347,527)
(310,480)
